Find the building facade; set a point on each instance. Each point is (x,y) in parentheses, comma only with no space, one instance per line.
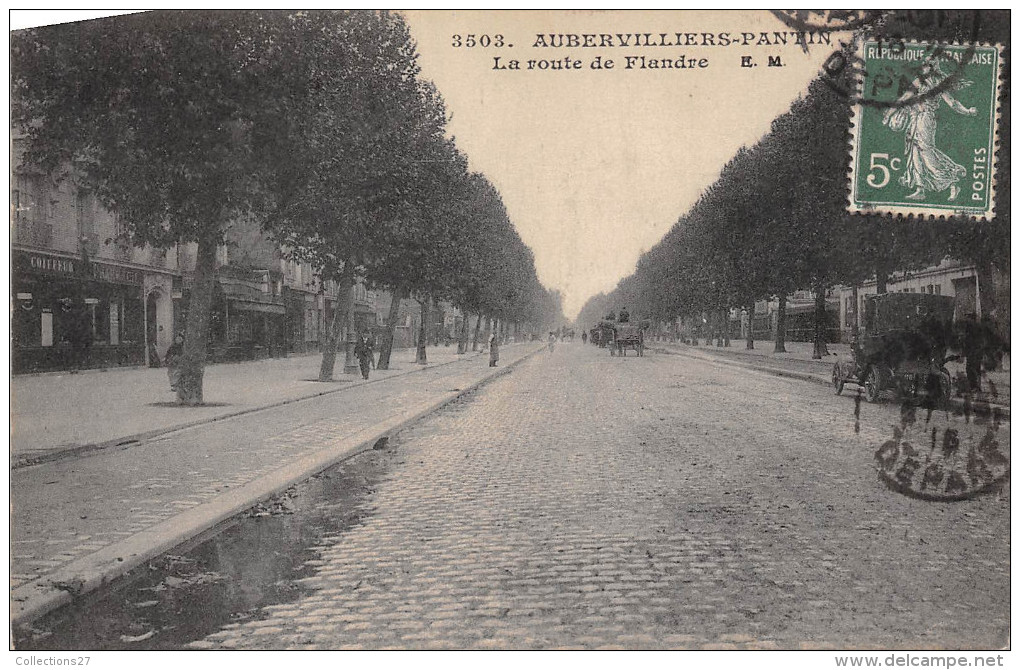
(950,277)
(80,297)
(83,298)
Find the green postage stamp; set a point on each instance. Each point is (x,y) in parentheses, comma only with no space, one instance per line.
(924,130)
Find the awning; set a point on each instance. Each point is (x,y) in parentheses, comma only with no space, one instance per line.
(807,308)
(268,308)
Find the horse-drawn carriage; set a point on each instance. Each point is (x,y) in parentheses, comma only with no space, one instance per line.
(902,347)
(627,336)
(620,337)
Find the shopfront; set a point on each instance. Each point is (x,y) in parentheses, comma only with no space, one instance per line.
(69,313)
(249,319)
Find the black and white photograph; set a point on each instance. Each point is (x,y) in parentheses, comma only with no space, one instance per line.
(574,330)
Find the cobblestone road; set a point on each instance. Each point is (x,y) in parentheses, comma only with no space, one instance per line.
(660,502)
(65,510)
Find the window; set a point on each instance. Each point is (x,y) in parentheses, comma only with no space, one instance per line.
(85,214)
(938,289)
(116,308)
(46,326)
(32,221)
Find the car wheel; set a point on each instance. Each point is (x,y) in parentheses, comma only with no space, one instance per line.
(872,384)
(837,380)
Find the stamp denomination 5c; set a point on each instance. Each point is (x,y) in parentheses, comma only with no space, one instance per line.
(924,130)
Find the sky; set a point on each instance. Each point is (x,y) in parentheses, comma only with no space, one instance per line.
(595,166)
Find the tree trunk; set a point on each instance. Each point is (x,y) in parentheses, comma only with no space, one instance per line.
(329,350)
(855,327)
(750,327)
(351,366)
(987,305)
(196,333)
(780,336)
(724,317)
(386,350)
(820,349)
(881,276)
(478,327)
(718,327)
(462,339)
(335,326)
(421,357)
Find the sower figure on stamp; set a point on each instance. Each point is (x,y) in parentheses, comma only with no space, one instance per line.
(927,168)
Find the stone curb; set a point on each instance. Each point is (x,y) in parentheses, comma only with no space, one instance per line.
(45,594)
(956,403)
(26,460)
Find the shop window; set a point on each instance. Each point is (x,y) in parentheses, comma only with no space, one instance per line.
(132,324)
(938,289)
(25,321)
(46,328)
(97,321)
(116,308)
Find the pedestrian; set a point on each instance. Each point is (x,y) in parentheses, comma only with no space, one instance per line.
(363,350)
(154,361)
(584,337)
(172,360)
(493,350)
(552,341)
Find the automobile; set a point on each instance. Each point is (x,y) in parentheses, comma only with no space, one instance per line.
(902,347)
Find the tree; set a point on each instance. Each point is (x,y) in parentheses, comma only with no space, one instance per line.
(161,116)
(350,176)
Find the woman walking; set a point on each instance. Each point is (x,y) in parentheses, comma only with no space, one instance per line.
(172,360)
(493,350)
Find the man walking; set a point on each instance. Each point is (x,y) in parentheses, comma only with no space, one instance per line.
(363,351)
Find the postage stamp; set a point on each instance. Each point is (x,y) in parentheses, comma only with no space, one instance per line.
(924,130)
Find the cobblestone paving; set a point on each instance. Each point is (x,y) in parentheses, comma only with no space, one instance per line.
(658,502)
(65,510)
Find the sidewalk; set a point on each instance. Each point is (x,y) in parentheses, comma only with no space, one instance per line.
(55,415)
(78,523)
(797,362)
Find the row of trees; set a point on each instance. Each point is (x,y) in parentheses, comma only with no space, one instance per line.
(316,124)
(776,221)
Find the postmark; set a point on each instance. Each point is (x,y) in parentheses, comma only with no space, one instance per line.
(924,129)
(937,457)
(843,70)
